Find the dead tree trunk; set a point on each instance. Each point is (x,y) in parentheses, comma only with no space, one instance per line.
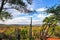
(30,31)
(18,34)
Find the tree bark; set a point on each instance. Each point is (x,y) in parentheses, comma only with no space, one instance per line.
(2,5)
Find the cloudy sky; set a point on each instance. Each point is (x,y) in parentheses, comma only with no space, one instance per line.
(37,17)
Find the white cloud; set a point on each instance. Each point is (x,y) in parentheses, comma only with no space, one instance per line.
(21,20)
(30,8)
(1,22)
(14,12)
(7,5)
(49,14)
(43,16)
(25,19)
(41,9)
(36,22)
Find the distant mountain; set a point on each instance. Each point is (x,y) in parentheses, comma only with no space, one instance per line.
(21,24)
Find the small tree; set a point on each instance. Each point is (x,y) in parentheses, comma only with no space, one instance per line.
(51,21)
(48,22)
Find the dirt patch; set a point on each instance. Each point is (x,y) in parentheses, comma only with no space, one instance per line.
(53,38)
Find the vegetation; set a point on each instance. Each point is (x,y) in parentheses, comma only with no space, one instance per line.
(50,24)
(24,32)
(55,11)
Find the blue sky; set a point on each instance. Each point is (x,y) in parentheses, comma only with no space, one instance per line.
(24,18)
(44,3)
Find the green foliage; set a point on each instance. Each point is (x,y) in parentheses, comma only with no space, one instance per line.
(55,10)
(49,24)
(57,31)
(13,38)
(5,15)
(20,2)
(51,20)
(29,1)
(51,32)
(9,32)
(24,33)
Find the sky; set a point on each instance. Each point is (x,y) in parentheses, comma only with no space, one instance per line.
(37,17)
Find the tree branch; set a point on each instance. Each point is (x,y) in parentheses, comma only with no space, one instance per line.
(2,5)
